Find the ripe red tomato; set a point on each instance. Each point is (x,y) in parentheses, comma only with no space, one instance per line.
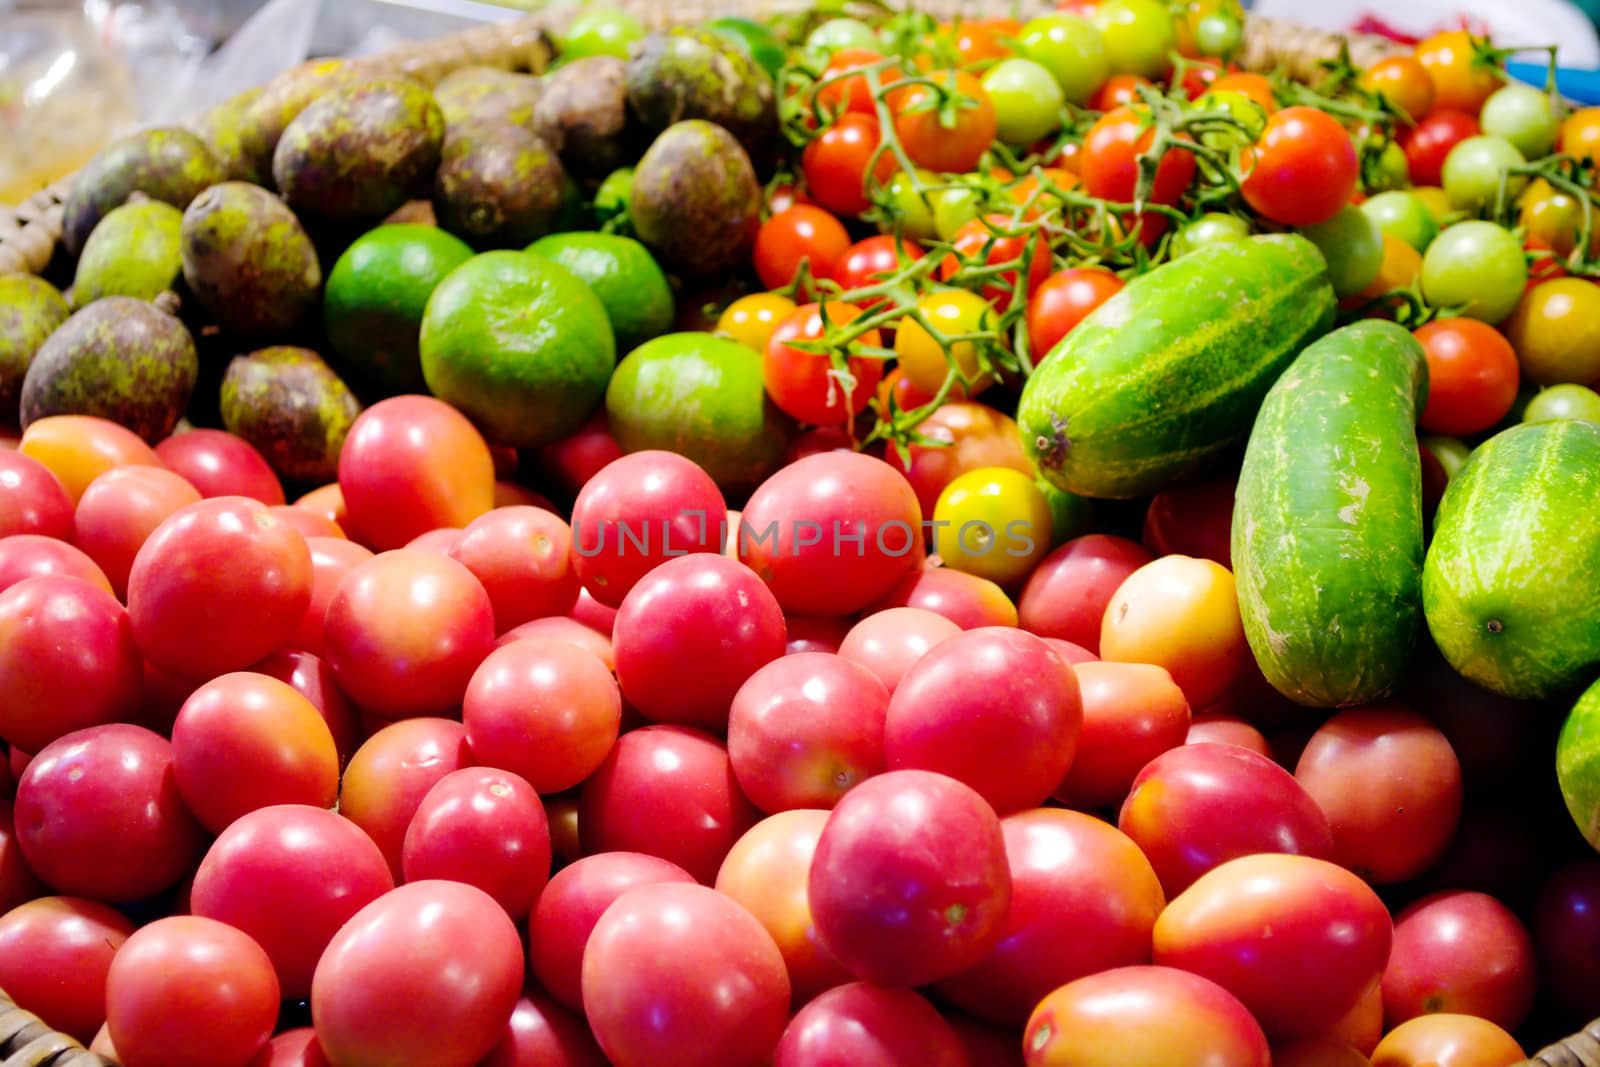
(390,774)
(1062,301)
(1067,594)
(1390,785)
(1193,520)
(1472,376)
(886,643)
(1118,91)
(331,559)
(35,556)
(79,448)
(807,633)
(1132,713)
(909,884)
(946,129)
(967,436)
(327,501)
(993,241)
(805,384)
(428,972)
(868,1026)
(190,992)
(32,500)
(54,956)
(835,164)
(681,974)
(803,233)
(1227,730)
(292,1048)
(217,463)
(1110,166)
(18,884)
(318,859)
(1302,169)
(571,631)
(309,676)
(542,1033)
(523,558)
(852,93)
(484,827)
(409,465)
(873,259)
(1196,807)
(120,509)
(1298,940)
(965,599)
(1428,143)
(309,523)
(1460,79)
(985,691)
(570,463)
(1460,952)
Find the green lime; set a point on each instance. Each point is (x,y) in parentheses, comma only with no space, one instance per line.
(376,294)
(611,201)
(623,275)
(520,345)
(763,46)
(1578,764)
(600,31)
(701,396)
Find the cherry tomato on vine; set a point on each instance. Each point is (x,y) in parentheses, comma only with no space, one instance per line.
(978,41)
(991,241)
(1462,78)
(1556,332)
(805,384)
(1254,86)
(751,319)
(1303,169)
(1580,134)
(1063,301)
(853,93)
(948,128)
(1553,219)
(1472,376)
(870,261)
(906,395)
(1429,143)
(802,233)
(1404,82)
(952,312)
(1199,76)
(1119,90)
(835,164)
(1110,167)
(1033,194)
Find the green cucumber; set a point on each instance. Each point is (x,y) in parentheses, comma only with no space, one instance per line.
(1327,519)
(1160,381)
(1578,764)
(1509,586)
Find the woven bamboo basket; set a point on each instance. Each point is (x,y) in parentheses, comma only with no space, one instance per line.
(29,234)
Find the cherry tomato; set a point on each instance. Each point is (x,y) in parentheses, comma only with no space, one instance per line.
(1462,80)
(976,41)
(484,827)
(1111,151)
(887,643)
(954,313)
(1400,269)
(971,436)
(805,384)
(845,91)
(54,956)
(25,556)
(523,558)
(751,319)
(331,560)
(1459,952)
(835,165)
(32,500)
(1072,50)
(1404,82)
(1254,86)
(990,241)
(1118,91)
(1447,1040)
(1472,375)
(993,522)
(1478,265)
(801,234)
(1429,142)
(1068,593)
(1554,332)
(1299,142)
(1132,712)
(1227,730)
(292,1048)
(542,1033)
(1193,520)
(390,774)
(18,884)
(1063,300)
(869,1026)
(945,129)
(77,449)
(569,631)
(327,501)
(965,599)
(1580,134)
(218,463)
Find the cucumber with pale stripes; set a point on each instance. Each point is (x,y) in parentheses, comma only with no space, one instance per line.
(1163,379)
(1327,519)
(1510,587)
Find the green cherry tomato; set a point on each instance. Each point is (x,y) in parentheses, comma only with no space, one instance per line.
(1405,216)
(1072,50)
(1027,100)
(835,34)
(914,209)
(1563,402)
(1478,266)
(1451,452)
(1353,246)
(1246,112)
(1523,116)
(600,31)
(954,208)
(1140,36)
(1475,169)
(1210,229)
(1218,34)
(1393,170)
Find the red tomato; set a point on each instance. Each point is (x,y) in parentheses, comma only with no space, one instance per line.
(1110,167)
(637,512)
(68,661)
(805,384)
(331,559)
(835,164)
(1298,940)
(1194,520)
(310,523)
(429,972)
(886,643)
(570,631)
(54,955)
(853,92)
(391,773)
(1405,82)
(486,828)
(18,885)
(1067,594)
(412,464)
(1446,1040)
(805,729)
(405,630)
(1132,713)
(1169,1016)
(542,1033)
(680,974)
(1227,730)
(866,1026)
(1196,807)
(188,991)
(1459,952)
(547,711)
(439,541)
(217,463)
(1461,79)
(993,241)
(1390,785)
(36,556)
(969,436)
(982,692)
(32,500)
(811,633)
(98,815)
(1303,168)
(964,599)
(570,463)
(667,791)
(601,618)
(832,533)
(1062,301)
(1083,900)
(871,260)
(77,449)
(1472,376)
(948,129)
(1566,929)
(909,884)
(1119,91)
(803,233)
(292,1048)
(523,558)
(1430,141)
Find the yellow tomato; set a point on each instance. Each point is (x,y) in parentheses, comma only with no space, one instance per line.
(1556,332)
(1554,219)
(1401,265)
(993,522)
(1435,199)
(751,319)
(952,312)
(1462,80)
(1180,613)
(1580,134)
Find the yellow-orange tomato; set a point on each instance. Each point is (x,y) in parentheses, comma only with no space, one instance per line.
(1318,1052)
(327,501)
(1436,200)
(1400,267)
(751,319)
(1405,82)
(80,448)
(993,522)
(974,435)
(1254,86)
(1029,190)
(1580,134)
(953,312)
(1447,1040)
(1180,613)
(1553,219)
(1556,332)
(1461,80)
(392,771)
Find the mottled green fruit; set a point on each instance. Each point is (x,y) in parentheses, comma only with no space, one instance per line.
(293,408)
(520,345)
(120,359)
(168,164)
(695,199)
(281,101)
(622,274)
(499,186)
(222,129)
(30,311)
(475,93)
(133,252)
(583,115)
(1578,764)
(360,153)
(691,74)
(247,260)
(701,396)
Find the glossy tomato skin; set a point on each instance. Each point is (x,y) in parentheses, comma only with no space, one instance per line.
(312,678)
(832,533)
(1132,713)
(484,827)
(523,558)
(952,148)
(561,629)
(429,972)
(1110,166)
(873,259)
(1196,807)
(1067,594)
(887,643)
(990,241)
(409,465)
(1460,952)
(32,500)
(804,383)
(909,884)
(542,1033)
(99,815)
(869,1026)
(18,884)
(1227,730)
(668,791)
(1298,143)
(1083,900)
(68,661)
(964,599)
(835,165)
(217,586)
(974,436)
(1064,300)
(217,463)
(292,1048)
(54,955)
(405,630)
(981,693)
(190,992)
(35,556)
(802,233)
(1429,142)
(319,859)
(1256,924)
(312,524)
(120,509)
(573,902)
(390,774)
(1447,1040)
(1143,1014)
(703,609)
(678,975)
(79,448)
